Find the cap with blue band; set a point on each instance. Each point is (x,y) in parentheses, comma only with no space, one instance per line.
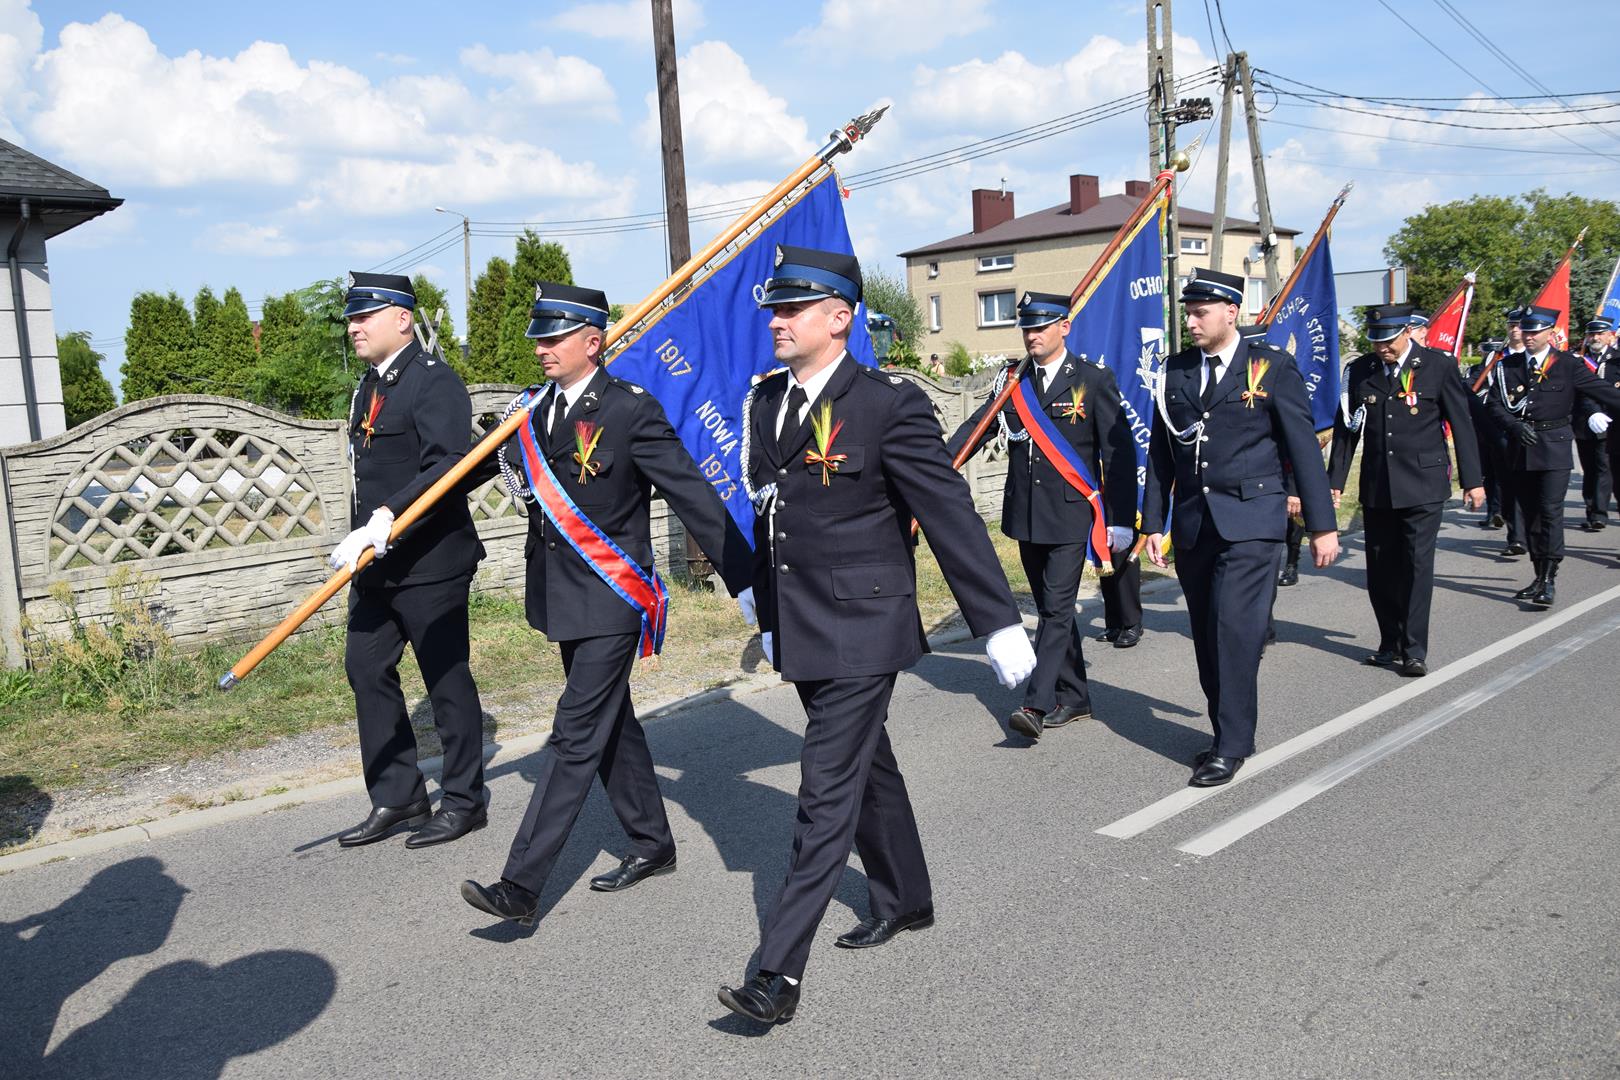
(561,309)
(1536,319)
(1388,322)
(803,274)
(365,293)
(1212,286)
(1037,309)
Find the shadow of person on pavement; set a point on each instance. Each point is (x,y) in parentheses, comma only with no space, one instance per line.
(188,1021)
(125,910)
(23,809)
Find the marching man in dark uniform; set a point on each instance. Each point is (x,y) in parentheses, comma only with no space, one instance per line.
(839,458)
(1592,425)
(1233,416)
(411,420)
(1535,400)
(591,453)
(1517,539)
(1394,402)
(1080,440)
(1490,440)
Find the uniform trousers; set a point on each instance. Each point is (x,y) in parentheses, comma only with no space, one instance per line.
(1512,511)
(1122,592)
(433,618)
(1229,586)
(1060,671)
(1539,496)
(1490,476)
(850,793)
(595,733)
(1596,481)
(1400,575)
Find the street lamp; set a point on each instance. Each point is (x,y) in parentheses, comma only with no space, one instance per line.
(466,266)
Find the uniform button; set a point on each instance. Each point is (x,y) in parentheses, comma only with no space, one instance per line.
(1206,491)
(1206,416)
(784,568)
(552,544)
(781,504)
(876,589)
(1262,483)
(781,472)
(781,536)
(1203,438)
(1037,479)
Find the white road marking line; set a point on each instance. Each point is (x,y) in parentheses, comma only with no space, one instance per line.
(1240,825)
(1187,798)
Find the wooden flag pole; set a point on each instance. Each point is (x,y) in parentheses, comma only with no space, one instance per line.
(840,141)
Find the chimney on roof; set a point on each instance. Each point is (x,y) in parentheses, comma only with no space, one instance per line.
(991,208)
(1137,189)
(1082,193)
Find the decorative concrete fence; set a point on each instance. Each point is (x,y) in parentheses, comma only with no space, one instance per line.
(230,509)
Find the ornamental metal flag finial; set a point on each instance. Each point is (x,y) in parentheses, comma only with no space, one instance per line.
(857,129)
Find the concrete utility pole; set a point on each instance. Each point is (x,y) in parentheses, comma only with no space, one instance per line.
(1268,234)
(466,270)
(669,126)
(1162,142)
(1217,233)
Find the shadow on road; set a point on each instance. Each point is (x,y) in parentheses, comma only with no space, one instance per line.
(23,809)
(184,1021)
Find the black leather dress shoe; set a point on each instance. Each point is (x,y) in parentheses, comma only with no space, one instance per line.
(1216,771)
(631,870)
(503,899)
(1109,635)
(1065,714)
(1201,757)
(1514,549)
(448,825)
(1497,521)
(1128,637)
(1381,657)
(1413,668)
(768,998)
(385,819)
(1289,575)
(871,932)
(1590,526)
(1026,721)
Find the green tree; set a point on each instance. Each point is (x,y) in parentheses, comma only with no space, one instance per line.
(431,298)
(86,393)
(1516,243)
(536,260)
(280,324)
(204,314)
(312,374)
(158,347)
(886,294)
(228,353)
(484,323)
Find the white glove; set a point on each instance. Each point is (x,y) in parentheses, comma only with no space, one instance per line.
(767,643)
(745,604)
(1010,655)
(1598,422)
(373,534)
(1120,537)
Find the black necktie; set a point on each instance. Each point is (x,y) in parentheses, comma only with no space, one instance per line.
(790,421)
(557,412)
(1208,397)
(1040,382)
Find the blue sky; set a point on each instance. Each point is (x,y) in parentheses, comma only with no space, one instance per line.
(268,146)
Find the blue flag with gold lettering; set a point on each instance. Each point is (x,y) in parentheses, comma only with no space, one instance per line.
(698,358)
(1308,327)
(1119,324)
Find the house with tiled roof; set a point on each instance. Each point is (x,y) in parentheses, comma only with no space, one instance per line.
(38,201)
(968,285)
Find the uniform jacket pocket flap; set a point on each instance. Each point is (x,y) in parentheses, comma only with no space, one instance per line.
(1260,485)
(877,579)
(388,446)
(854,459)
(1431,458)
(563,458)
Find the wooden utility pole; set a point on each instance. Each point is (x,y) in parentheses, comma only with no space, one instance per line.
(1262,198)
(1162,142)
(669,127)
(1217,233)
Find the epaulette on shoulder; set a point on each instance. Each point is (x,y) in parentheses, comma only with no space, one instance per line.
(626,385)
(883,378)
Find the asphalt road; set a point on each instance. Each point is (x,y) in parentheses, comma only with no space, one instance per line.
(1426,888)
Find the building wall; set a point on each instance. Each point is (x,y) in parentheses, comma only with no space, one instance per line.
(1048,265)
(41,340)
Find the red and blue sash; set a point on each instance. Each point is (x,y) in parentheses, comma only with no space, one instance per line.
(642,589)
(1043,431)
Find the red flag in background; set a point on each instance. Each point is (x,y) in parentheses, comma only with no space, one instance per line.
(1448,325)
(1555,294)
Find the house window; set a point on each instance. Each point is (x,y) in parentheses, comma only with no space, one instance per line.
(933,269)
(1254,296)
(1003,261)
(997,308)
(1194,245)
(933,313)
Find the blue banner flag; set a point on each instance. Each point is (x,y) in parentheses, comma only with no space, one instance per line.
(1308,327)
(1119,324)
(1610,308)
(698,358)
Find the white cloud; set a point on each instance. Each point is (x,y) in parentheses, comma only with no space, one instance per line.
(891,27)
(629,21)
(244,238)
(20,38)
(396,59)
(541,77)
(729,117)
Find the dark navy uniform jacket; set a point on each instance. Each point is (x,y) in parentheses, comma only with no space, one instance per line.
(1608,369)
(637,452)
(1549,406)
(1038,505)
(1235,476)
(422,428)
(1404,459)
(834,575)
